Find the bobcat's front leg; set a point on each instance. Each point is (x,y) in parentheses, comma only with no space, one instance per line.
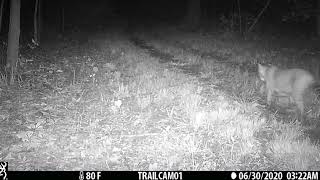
(269,96)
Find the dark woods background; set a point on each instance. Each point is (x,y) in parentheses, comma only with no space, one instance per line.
(287,17)
(214,12)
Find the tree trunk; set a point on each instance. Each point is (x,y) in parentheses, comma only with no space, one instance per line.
(13,37)
(40,21)
(35,22)
(193,14)
(1,13)
(318,18)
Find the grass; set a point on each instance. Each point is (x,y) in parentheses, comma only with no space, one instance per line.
(109,105)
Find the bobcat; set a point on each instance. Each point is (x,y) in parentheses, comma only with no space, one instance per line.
(289,82)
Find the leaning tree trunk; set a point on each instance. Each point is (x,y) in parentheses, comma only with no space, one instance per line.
(13,38)
(193,14)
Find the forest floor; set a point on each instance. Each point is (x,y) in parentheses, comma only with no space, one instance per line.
(165,99)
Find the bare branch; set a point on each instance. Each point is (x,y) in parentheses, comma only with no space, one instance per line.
(259,15)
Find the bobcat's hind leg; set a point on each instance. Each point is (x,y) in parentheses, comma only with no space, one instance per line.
(300,107)
(269,96)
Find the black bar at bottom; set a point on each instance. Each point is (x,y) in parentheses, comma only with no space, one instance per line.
(162,175)
(101,175)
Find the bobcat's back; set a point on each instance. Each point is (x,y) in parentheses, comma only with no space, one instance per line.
(288,81)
